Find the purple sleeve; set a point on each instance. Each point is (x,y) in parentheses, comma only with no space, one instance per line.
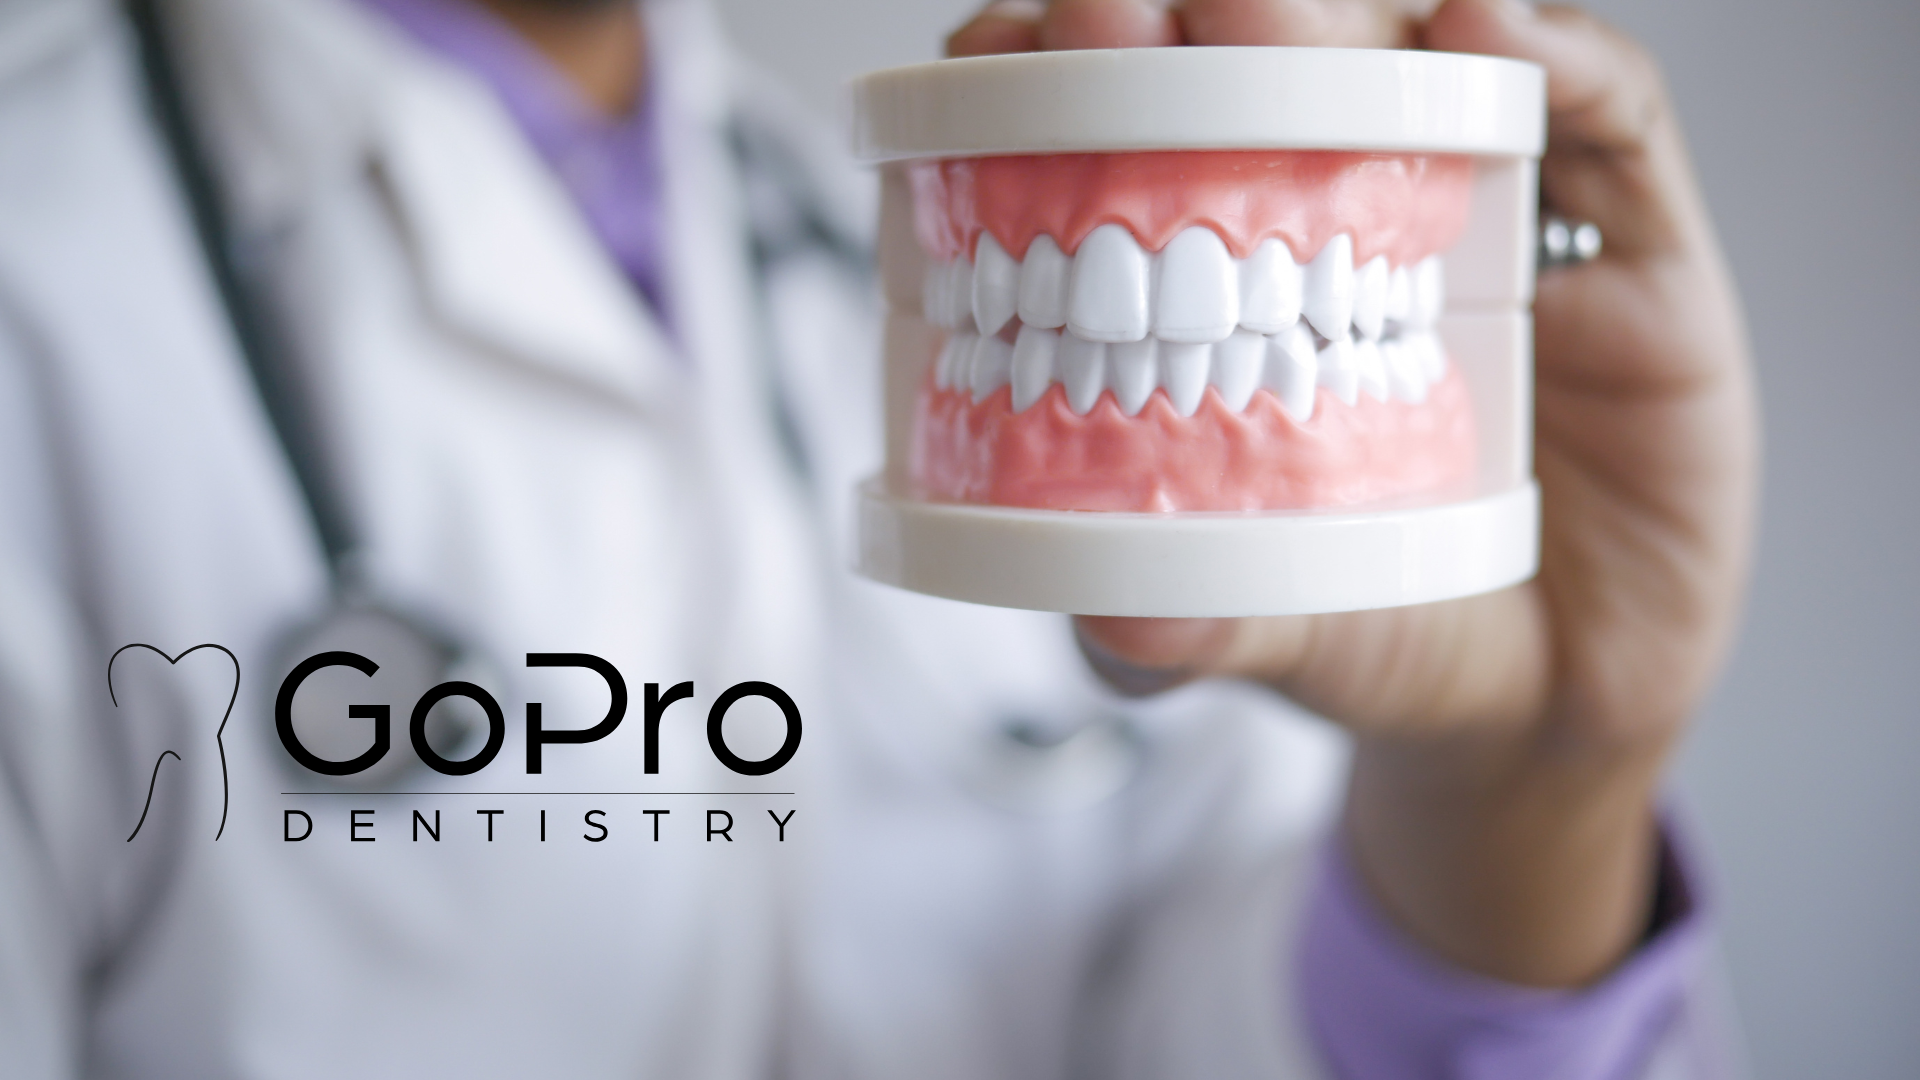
(1379,1007)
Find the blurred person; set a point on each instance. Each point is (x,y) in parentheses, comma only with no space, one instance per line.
(573,339)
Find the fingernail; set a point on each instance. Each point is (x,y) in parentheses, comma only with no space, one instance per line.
(1127,677)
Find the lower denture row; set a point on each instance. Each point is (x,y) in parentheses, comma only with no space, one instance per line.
(1291,365)
(1052,457)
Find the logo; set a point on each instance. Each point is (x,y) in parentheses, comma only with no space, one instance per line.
(219,736)
(539,736)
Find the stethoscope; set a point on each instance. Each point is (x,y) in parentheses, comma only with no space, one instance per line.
(413,652)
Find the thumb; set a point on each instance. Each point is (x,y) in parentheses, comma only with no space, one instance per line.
(1138,657)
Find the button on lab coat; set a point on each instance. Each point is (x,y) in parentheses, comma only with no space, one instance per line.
(527,456)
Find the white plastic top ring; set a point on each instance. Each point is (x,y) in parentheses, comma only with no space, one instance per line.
(1202,98)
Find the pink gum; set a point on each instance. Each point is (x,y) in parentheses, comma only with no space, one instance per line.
(1158,461)
(1406,206)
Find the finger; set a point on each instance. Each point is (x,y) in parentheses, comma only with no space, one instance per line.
(1107,24)
(1138,657)
(1602,89)
(1341,23)
(1614,155)
(1478,663)
(1001,27)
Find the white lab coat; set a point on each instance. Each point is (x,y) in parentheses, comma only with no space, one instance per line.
(531,458)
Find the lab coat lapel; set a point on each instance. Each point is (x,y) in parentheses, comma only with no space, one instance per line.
(503,256)
(709,274)
(760,526)
(503,253)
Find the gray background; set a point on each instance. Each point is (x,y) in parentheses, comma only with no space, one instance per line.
(1805,124)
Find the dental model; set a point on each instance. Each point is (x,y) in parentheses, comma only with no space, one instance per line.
(1216,331)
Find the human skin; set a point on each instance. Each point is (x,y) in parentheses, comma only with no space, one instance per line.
(598,45)
(1508,747)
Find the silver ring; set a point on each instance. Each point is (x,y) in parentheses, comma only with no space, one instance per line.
(1566,242)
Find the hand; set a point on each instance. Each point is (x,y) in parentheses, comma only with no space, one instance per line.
(1508,745)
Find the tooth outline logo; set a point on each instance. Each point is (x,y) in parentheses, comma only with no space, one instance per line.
(219,735)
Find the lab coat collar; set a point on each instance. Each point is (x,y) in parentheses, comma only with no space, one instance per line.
(503,253)
(709,278)
(327,90)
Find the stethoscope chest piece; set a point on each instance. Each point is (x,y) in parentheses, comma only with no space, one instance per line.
(338,713)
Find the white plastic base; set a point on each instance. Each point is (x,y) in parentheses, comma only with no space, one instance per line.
(1283,562)
(1214,98)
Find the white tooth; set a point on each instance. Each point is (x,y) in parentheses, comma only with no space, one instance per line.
(1130,371)
(956,356)
(960,293)
(1403,371)
(1293,371)
(1429,292)
(1183,372)
(1399,295)
(1199,290)
(960,298)
(1043,284)
(992,361)
(1372,368)
(1369,297)
(1032,365)
(1327,294)
(937,296)
(949,290)
(1338,371)
(1270,287)
(995,285)
(1236,367)
(1431,355)
(1411,349)
(1083,371)
(1108,298)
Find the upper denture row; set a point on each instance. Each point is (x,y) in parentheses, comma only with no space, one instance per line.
(1193,290)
